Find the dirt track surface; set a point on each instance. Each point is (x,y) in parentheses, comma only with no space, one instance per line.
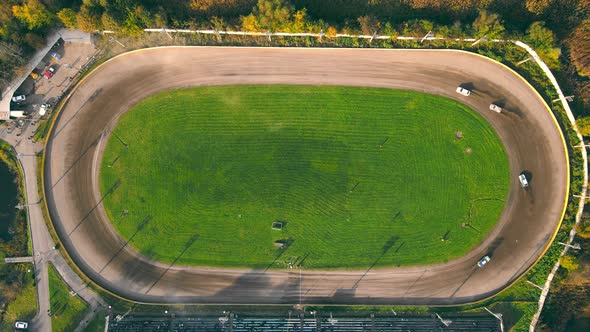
(532,140)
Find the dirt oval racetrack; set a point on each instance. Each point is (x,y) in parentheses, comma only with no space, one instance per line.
(530,134)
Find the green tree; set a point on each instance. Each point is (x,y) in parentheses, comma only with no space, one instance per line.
(488,24)
(33,13)
(539,36)
(68,17)
(543,41)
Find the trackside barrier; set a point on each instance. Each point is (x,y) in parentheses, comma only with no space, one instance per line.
(572,119)
(304,34)
(428,36)
(431,37)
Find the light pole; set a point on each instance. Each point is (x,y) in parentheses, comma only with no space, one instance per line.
(112,39)
(224,319)
(428,35)
(446,322)
(575,246)
(499,316)
(21,206)
(568,98)
(533,284)
(525,60)
(300,282)
(373,37)
(332,320)
(484,38)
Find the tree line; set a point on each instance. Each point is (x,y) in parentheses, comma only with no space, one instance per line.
(23,23)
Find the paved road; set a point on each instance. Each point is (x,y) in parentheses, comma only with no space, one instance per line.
(42,242)
(43,245)
(531,138)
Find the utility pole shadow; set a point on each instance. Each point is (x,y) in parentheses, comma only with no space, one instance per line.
(141,226)
(110,191)
(390,243)
(190,242)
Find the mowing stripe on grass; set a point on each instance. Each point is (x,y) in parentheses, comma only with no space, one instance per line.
(358,176)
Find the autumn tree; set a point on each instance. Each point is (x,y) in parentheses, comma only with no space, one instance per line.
(68,17)
(250,23)
(218,23)
(5,12)
(300,21)
(369,24)
(569,263)
(33,13)
(579,44)
(583,124)
(488,24)
(108,22)
(331,31)
(222,8)
(34,40)
(537,7)
(89,18)
(273,14)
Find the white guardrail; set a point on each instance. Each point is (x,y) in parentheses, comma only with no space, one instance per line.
(572,119)
(430,36)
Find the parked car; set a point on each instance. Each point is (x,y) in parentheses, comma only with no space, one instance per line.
(43,109)
(18,99)
(21,325)
(495,108)
(523,180)
(55,55)
(483,261)
(463,91)
(49,73)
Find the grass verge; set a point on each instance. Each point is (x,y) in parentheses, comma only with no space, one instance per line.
(97,324)
(66,310)
(24,305)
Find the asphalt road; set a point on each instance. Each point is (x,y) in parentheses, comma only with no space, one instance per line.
(532,140)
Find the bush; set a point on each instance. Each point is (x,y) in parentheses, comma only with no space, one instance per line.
(584,125)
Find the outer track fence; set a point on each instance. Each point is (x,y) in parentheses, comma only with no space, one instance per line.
(430,37)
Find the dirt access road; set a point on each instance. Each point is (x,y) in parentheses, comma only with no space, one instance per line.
(531,137)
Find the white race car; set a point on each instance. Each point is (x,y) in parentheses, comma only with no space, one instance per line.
(463,91)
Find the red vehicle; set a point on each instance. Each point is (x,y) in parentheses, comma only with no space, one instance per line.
(49,73)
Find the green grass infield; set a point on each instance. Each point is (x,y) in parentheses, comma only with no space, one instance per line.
(349,177)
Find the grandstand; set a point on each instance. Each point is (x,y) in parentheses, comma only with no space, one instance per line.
(230,322)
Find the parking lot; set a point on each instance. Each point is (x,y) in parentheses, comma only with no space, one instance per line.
(66,59)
